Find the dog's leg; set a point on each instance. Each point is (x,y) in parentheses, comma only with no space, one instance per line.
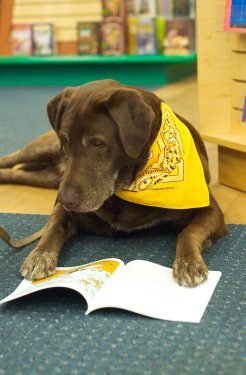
(62,225)
(189,268)
(42,261)
(48,177)
(41,150)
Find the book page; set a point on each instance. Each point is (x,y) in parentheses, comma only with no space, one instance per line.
(86,279)
(149,289)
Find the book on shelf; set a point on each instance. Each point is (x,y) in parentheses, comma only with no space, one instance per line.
(244,111)
(160,23)
(132,25)
(140,32)
(88,38)
(165,8)
(183,8)
(21,39)
(114,10)
(43,39)
(176,8)
(113,39)
(180,36)
(145,8)
(139,286)
(130,7)
(146,36)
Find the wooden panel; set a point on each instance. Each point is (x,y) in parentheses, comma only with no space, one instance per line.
(232,168)
(66,34)
(238,42)
(64,14)
(238,127)
(231,140)
(33,2)
(214,81)
(79,9)
(215,108)
(22,198)
(239,66)
(59,21)
(238,94)
(5,22)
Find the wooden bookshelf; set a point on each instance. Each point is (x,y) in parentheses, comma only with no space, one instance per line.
(67,68)
(222,88)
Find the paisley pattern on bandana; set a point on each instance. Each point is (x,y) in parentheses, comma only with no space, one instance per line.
(173,176)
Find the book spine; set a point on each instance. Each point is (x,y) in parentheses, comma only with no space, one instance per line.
(132,24)
(160,33)
(88,38)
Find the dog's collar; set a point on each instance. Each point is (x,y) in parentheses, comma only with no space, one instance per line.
(173,176)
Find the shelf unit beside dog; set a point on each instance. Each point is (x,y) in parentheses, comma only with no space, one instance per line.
(222,91)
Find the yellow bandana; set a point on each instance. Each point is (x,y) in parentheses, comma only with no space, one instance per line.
(173,176)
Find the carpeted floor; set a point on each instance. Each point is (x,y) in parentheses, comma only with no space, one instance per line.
(48,332)
(24,116)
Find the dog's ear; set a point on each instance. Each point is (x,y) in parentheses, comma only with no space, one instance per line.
(56,107)
(134,118)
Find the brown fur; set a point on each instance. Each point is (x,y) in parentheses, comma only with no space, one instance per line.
(105,130)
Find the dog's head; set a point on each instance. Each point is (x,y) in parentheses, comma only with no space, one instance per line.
(104,128)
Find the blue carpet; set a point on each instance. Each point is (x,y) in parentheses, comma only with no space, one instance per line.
(47,332)
(23,114)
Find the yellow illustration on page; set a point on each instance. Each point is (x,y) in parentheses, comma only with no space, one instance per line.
(92,276)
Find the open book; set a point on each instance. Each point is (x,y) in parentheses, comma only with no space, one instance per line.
(140,286)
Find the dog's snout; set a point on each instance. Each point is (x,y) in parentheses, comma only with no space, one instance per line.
(69,198)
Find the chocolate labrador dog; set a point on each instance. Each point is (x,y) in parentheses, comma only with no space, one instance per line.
(103,133)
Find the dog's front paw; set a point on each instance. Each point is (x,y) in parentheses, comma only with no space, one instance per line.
(189,271)
(38,265)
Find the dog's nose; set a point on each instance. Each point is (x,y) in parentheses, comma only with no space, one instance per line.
(69,198)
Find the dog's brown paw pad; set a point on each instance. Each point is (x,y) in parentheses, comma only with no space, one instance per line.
(189,272)
(38,265)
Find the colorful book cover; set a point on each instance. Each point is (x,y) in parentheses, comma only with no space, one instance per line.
(244,111)
(43,39)
(160,33)
(130,7)
(114,10)
(180,37)
(235,16)
(181,8)
(21,40)
(132,25)
(88,38)
(145,8)
(165,8)
(146,37)
(113,41)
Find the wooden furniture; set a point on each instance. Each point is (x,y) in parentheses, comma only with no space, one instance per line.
(67,68)
(5,24)
(63,14)
(222,88)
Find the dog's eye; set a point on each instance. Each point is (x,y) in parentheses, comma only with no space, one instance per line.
(96,142)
